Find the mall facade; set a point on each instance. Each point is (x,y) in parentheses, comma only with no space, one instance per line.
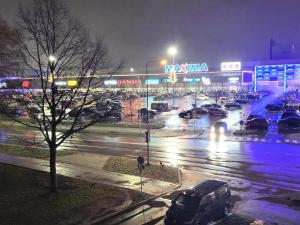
(279,76)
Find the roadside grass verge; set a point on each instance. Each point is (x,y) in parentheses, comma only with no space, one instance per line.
(25,198)
(153,171)
(31,152)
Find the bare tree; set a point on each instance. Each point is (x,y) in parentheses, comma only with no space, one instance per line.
(9,53)
(55,47)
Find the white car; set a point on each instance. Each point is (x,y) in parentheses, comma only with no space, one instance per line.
(202,97)
(217,112)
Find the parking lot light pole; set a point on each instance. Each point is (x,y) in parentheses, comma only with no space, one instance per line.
(172,51)
(162,62)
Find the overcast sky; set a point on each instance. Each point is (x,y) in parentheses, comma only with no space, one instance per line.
(203,30)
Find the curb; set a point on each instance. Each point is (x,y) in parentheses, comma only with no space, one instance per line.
(114,214)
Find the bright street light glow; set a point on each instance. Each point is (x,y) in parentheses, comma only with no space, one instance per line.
(163,62)
(172,51)
(52,58)
(131,69)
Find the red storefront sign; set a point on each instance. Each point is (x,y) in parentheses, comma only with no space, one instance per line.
(128,82)
(25,84)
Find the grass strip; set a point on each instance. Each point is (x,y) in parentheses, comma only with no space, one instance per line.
(27,151)
(25,198)
(153,171)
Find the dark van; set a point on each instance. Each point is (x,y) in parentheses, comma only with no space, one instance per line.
(206,202)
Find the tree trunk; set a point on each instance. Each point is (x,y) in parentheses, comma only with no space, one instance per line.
(53,178)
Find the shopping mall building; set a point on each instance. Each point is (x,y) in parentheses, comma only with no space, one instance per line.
(273,75)
(279,76)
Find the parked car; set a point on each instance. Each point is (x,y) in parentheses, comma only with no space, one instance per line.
(144,111)
(232,105)
(223,100)
(217,112)
(289,122)
(257,123)
(206,202)
(242,101)
(185,114)
(273,107)
(202,97)
(200,110)
(216,105)
(160,106)
(252,116)
(287,114)
(219,128)
(208,106)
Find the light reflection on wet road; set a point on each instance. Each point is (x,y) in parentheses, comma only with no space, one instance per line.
(273,165)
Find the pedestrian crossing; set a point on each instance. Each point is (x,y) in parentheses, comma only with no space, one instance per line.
(263,140)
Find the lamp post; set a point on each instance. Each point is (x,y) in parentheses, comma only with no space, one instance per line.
(162,62)
(172,51)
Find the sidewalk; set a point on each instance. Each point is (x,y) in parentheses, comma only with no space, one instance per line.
(89,167)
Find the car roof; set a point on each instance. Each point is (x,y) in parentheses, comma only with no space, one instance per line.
(206,187)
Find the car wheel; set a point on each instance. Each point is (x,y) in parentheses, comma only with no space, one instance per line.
(226,212)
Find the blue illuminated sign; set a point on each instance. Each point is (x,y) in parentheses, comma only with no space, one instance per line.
(277,73)
(152,81)
(194,79)
(186,68)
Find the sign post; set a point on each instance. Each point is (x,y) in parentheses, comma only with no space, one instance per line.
(242,123)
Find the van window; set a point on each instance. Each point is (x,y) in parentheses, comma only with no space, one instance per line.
(186,202)
(222,191)
(208,200)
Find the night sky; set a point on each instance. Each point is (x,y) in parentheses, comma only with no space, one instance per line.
(203,30)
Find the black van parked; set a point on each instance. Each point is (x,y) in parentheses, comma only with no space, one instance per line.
(206,202)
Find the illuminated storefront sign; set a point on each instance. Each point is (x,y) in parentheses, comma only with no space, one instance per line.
(3,84)
(233,79)
(166,80)
(110,82)
(25,84)
(60,83)
(152,81)
(277,73)
(231,66)
(194,79)
(72,83)
(186,68)
(206,81)
(128,82)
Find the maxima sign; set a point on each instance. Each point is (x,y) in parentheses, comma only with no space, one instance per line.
(186,68)
(231,66)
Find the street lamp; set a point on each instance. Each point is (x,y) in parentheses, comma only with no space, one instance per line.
(131,69)
(52,61)
(172,51)
(161,62)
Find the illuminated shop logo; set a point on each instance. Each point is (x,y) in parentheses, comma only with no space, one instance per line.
(231,66)
(194,79)
(110,82)
(60,83)
(152,81)
(186,68)
(72,83)
(25,84)
(128,82)
(3,84)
